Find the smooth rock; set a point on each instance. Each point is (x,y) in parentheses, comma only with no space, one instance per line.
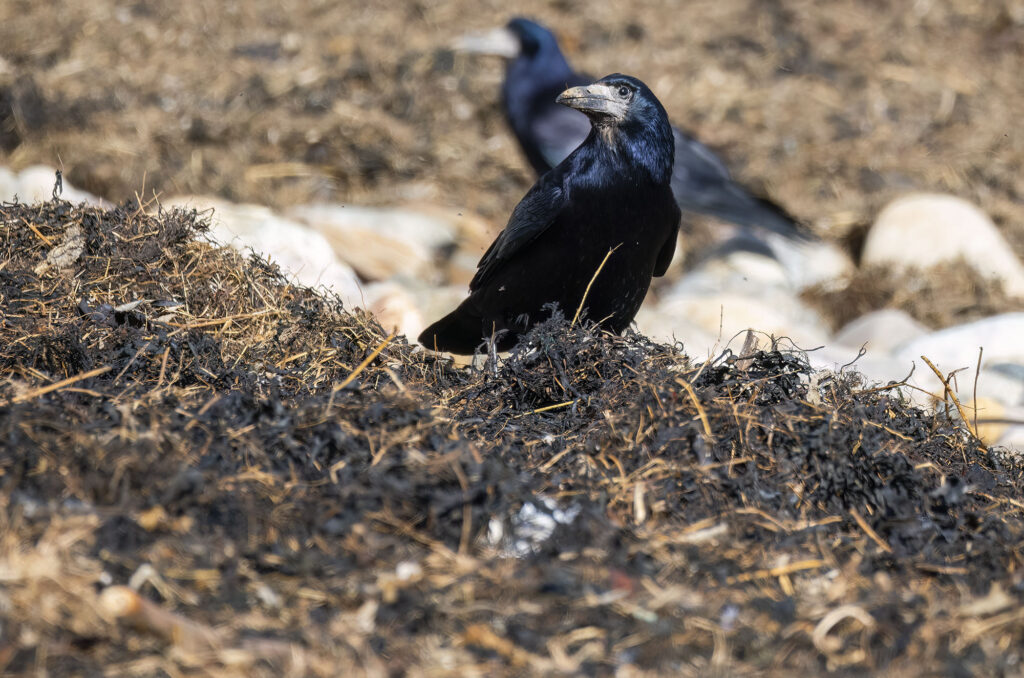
(35,184)
(728,315)
(1001,336)
(922,230)
(881,330)
(1001,382)
(395,308)
(1012,439)
(742,265)
(299,250)
(381,244)
(807,264)
(698,343)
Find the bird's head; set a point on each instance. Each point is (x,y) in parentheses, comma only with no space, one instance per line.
(615,100)
(520,40)
(623,110)
(533,38)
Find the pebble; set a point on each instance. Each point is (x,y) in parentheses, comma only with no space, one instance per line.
(301,252)
(881,330)
(922,230)
(382,243)
(35,184)
(956,347)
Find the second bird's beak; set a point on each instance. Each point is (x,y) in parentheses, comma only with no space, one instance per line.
(499,42)
(596,100)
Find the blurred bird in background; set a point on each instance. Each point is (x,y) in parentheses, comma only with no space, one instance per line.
(536,71)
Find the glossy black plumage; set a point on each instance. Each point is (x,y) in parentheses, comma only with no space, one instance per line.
(613,191)
(547,133)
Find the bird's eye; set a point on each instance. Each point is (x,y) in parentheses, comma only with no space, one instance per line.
(624,92)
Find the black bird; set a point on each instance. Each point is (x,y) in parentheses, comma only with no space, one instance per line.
(613,194)
(537,71)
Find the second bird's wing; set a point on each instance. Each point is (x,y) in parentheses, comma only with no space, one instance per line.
(558,131)
(531,217)
(702,183)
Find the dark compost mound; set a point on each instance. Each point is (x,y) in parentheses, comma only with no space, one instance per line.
(292,491)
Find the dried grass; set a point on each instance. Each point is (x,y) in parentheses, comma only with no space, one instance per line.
(294,492)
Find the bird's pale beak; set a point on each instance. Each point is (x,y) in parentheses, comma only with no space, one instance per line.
(596,100)
(498,42)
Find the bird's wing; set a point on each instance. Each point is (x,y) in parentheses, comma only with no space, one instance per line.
(557,131)
(531,217)
(701,183)
(668,249)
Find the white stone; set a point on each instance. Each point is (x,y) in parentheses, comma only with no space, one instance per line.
(1002,337)
(817,262)
(380,243)
(877,367)
(698,343)
(1013,437)
(395,308)
(734,267)
(922,230)
(35,184)
(881,330)
(727,316)
(299,250)
(1006,386)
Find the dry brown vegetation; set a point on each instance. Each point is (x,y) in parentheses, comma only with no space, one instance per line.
(834,108)
(291,491)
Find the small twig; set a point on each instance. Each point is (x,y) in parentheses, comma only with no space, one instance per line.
(548,408)
(696,403)
(951,395)
(132,361)
(163,369)
(977,373)
(555,459)
(798,566)
(123,603)
(219,321)
(820,637)
(61,384)
(579,309)
(467,508)
(869,531)
(126,605)
(355,373)
(366,361)
(49,243)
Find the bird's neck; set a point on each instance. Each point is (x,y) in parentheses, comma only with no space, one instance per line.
(641,151)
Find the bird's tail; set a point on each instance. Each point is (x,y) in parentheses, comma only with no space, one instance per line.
(734,204)
(766,214)
(461,332)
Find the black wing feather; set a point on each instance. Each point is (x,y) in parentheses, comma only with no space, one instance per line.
(668,249)
(531,217)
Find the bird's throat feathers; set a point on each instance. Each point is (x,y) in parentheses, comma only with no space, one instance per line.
(636,147)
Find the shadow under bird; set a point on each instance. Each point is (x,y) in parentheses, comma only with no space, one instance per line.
(611,194)
(537,71)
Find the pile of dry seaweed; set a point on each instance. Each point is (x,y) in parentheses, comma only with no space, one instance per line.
(206,468)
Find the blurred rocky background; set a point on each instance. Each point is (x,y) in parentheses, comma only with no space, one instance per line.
(356,148)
